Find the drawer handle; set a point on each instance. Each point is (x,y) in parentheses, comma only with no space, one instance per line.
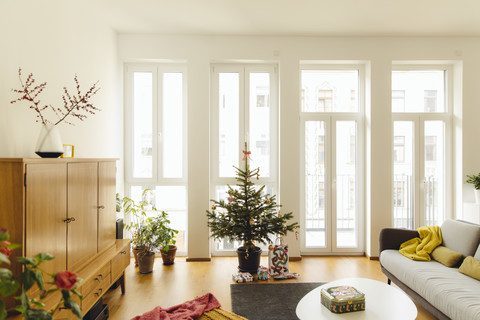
(99,292)
(123,252)
(101,207)
(68,220)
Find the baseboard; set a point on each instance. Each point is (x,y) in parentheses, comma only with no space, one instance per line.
(295,258)
(372,258)
(199,259)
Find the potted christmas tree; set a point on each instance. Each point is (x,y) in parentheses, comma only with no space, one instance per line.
(249,216)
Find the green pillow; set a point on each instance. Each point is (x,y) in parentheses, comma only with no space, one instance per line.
(446,256)
(471,267)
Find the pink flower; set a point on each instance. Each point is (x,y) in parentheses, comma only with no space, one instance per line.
(5,251)
(66,280)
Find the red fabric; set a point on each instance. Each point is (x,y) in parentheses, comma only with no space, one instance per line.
(189,310)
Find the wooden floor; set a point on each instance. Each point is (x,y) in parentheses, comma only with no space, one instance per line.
(182,281)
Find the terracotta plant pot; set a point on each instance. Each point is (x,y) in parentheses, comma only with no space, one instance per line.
(249,262)
(169,257)
(135,251)
(145,261)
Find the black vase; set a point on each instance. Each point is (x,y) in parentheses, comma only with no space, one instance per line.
(249,261)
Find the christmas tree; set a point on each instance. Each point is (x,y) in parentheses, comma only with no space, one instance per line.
(247,215)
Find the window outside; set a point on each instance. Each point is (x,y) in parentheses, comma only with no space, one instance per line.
(330,106)
(156,140)
(416,93)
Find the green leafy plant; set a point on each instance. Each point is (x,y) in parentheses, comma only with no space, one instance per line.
(33,308)
(155,234)
(475,180)
(148,233)
(136,214)
(248,215)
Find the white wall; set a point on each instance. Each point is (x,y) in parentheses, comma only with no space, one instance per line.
(55,40)
(377,53)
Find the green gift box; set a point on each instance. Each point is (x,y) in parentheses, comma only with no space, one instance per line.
(343,299)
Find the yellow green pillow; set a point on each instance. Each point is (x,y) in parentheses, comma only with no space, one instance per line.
(471,267)
(446,256)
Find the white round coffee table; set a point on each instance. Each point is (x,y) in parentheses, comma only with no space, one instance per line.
(381,302)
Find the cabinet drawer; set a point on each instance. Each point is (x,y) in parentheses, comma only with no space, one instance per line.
(90,299)
(102,275)
(120,262)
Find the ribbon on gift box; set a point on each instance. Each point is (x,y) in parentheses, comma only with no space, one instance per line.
(242,277)
(262,273)
(278,259)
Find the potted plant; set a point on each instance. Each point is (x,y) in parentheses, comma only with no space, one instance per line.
(155,235)
(475,180)
(148,234)
(145,245)
(249,216)
(135,213)
(165,237)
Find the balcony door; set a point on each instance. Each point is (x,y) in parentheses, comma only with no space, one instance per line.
(332,153)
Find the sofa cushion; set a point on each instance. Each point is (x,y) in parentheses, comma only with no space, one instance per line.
(446,256)
(471,267)
(477,254)
(451,292)
(461,236)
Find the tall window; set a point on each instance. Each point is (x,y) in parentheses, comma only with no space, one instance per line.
(244,109)
(155,143)
(332,131)
(421,179)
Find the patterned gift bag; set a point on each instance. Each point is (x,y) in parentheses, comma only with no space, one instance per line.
(278,259)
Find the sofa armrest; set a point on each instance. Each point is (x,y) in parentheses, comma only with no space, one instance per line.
(392,238)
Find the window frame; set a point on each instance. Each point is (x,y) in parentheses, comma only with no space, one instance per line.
(418,120)
(331,118)
(244,69)
(157,179)
(157,131)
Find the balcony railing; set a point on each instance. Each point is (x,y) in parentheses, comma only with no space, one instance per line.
(403,201)
(316,203)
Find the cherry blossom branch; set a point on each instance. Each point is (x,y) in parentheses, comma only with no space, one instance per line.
(30,95)
(76,105)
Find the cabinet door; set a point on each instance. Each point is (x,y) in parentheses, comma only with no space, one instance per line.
(46,211)
(106,204)
(82,212)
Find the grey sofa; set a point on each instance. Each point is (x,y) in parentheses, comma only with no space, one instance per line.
(443,291)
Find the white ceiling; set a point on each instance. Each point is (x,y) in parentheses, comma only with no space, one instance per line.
(293,17)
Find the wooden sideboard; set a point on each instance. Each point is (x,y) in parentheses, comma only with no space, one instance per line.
(65,207)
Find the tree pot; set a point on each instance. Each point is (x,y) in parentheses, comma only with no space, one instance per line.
(169,257)
(145,261)
(249,261)
(135,251)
